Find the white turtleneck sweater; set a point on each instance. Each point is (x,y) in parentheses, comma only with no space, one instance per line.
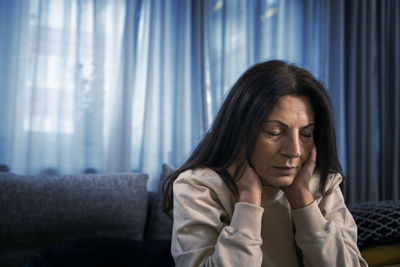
(211,228)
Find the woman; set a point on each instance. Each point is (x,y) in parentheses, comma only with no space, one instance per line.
(262,187)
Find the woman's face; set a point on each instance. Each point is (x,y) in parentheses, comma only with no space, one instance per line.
(285,141)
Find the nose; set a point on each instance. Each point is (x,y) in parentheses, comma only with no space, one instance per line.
(291,146)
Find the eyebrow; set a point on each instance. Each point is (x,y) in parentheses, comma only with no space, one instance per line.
(285,125)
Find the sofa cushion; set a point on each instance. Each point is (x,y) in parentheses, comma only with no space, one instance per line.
(40,211)
(377,222)
(159,225)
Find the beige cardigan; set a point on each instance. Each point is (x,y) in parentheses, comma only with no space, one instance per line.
(211,228)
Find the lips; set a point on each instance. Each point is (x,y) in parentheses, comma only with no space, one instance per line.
(285,170)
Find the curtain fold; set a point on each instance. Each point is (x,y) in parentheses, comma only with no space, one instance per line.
(118,153)
(372,100)
(388,94)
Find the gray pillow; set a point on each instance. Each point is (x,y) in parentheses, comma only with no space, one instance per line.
(40,211)
(159,225)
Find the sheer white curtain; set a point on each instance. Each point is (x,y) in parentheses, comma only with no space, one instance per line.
(157,110)
(127,85)
(104,84)
(59,70)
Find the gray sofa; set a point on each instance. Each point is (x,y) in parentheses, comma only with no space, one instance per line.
(38,212)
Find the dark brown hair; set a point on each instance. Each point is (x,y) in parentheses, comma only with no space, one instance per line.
(234,131)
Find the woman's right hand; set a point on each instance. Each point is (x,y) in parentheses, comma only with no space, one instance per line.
(249,186)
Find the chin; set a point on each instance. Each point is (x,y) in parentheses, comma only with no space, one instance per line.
(280,181)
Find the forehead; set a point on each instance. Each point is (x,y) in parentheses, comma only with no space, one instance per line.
(292,109)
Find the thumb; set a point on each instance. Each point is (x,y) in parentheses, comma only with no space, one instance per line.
(310,163)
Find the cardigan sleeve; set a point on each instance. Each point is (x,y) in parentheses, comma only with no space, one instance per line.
(326,232)
(204,235)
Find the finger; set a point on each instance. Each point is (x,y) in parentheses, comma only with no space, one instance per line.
(311,160)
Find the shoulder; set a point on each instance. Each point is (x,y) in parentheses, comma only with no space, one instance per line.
(202,187)
(199,178)
(332,183)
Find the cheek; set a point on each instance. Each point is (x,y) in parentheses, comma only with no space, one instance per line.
(263,154)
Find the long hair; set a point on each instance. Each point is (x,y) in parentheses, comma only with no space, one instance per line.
(234,131)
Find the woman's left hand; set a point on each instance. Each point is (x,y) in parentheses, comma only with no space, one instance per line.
(298,193)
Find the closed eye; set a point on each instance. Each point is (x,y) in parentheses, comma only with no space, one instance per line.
(273,134)
(306,135)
